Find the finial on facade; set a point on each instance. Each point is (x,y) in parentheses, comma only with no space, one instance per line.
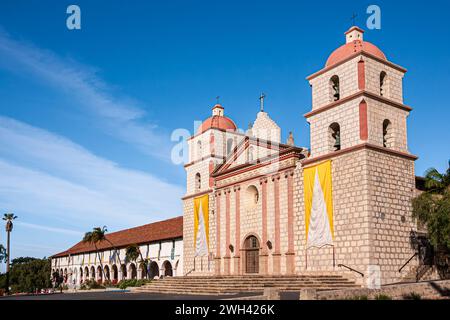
(261,101)
(249,130)
(290,139)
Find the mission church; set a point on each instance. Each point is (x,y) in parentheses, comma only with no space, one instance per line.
(255,205)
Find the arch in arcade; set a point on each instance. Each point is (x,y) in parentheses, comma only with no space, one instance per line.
(153,270)
(168,271)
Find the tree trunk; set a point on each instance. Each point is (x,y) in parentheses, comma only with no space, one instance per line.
(144,263)
(7,259)
(101,263)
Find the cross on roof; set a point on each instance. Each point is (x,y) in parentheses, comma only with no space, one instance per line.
(261,100)
(217,99)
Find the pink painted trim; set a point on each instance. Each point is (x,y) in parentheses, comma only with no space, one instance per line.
(238,225)
(211,169)
(276,187)
(218,198)
(227,223)
(361,75)
(363,125)
(264,215)
(290,220)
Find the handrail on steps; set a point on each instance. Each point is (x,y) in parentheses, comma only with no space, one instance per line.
(187,273)
(404,265)
(351,269)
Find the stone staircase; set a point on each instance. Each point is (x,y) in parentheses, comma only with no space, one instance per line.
(223,285)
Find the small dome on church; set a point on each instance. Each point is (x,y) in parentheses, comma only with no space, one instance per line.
(217,121)
(355,43)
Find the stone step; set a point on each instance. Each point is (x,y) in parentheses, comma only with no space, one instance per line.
(200,285)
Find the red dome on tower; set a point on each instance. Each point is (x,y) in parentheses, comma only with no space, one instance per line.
(355,43)
(217,121)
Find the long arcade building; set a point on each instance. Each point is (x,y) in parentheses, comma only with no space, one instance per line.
(160,243)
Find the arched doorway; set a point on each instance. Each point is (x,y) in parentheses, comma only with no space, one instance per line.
(167,269)
(86,273)
(115,273)
(154,270)
(99,274)
(133,271)
(251,246)
(107,274)
(123,268)
(93,272)
(143,270)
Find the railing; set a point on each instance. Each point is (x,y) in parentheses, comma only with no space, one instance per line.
(351,269)
(409,260)
(190,271)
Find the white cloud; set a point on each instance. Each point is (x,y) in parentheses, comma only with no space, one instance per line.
(46,175)
(121,117)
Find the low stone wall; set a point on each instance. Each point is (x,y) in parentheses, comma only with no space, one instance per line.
(427,290)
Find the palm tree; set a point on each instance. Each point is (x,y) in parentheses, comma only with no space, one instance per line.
(132,253)
(94,237)
(8,217)
(436,182)
(432,207)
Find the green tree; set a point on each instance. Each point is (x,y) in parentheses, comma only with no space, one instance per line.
(432,208)
(2,254)
(97,235)
(9,218)
(28,275)
(132,253)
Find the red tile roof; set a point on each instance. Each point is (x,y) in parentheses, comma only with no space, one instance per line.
(161,230)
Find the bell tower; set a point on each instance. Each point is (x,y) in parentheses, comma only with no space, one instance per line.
(214,139)
(359,122)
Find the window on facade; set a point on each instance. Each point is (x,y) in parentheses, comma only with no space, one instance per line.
(383,84)
(229,145)
(198,182)
(335,94)
(252,196)
(199,149)
(334,137)
(387,134)
(250,155)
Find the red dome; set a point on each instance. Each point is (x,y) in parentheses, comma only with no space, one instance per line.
(351,48)
(217,122)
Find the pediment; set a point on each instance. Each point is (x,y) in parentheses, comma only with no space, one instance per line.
(251,152)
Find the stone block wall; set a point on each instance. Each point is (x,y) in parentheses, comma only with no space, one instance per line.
(351,220)
(348,83)
(347,116)
(377,112)
(394,86)
(391,188)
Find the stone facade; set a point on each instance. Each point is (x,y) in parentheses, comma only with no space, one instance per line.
(256,190)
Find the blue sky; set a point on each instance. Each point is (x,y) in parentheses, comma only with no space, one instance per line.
(86,115)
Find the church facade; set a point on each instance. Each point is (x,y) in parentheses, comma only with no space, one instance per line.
(254,205)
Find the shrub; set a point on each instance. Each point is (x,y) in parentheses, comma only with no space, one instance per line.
(123,284)
(412,296)
(382,297)
(107,283)
(91,284)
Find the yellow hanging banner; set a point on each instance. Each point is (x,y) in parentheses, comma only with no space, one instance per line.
(201,225)
(318,197)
